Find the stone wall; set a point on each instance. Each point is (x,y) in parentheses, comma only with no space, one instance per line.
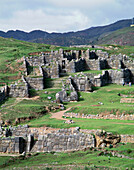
(35,83)
(16,90)
(127,138)
(113,76)
(100,116)
(82,83)
(17,131)
(21,138)
(55,70)
(93,64)
(19,89)
(71,67)
(63,140)
(127,100)
(12,145)
(114,63)
(36,60)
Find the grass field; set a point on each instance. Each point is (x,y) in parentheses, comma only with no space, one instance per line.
(73,160)
(108,95)
(10,51)
(15,108)
(12,109)
(118,126)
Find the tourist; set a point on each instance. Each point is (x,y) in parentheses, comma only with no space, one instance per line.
(130,84)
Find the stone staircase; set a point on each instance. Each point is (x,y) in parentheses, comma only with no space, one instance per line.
(54,83)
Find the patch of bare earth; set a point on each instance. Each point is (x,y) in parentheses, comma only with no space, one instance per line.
(58,115)
(27,98)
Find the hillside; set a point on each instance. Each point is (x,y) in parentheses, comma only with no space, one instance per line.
(35,128)
(11,51)
(86,36)
(123,36)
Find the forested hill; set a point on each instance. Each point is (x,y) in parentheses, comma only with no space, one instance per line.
(86,36)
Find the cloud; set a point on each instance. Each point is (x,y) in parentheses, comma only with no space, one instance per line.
(38,19)
(62,16)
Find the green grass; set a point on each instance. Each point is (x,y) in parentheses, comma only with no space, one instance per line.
(121,36)
(108,96)
(80,159)
(119,126)
(12,108)
(125,149)
(10,51)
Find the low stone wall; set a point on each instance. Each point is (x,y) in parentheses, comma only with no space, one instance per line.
(36,60)
(127,100)
(63,140)
(127,138)
(12,145)
(100,116)
(18,90)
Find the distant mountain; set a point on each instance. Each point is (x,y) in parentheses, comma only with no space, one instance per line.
(123,36)
(86,36)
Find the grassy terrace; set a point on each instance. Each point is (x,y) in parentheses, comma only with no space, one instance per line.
(81,160)
(108,96)
(118,126)
(13,108)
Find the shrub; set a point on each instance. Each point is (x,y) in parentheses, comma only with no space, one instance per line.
(129,151)
(32,92)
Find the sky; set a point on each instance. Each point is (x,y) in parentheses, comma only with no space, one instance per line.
(62,15)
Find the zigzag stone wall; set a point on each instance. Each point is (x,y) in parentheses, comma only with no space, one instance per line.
(63,140)
(12,145)
(21,138)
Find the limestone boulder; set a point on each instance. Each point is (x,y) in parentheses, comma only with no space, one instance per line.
(105,139)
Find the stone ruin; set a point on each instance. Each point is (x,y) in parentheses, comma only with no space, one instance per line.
(39,66)
(24,139)
(58,63)
(71,87)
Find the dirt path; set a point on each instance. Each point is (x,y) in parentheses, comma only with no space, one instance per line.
(58,115)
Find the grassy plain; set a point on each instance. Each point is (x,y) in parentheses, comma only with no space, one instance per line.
(81,160)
